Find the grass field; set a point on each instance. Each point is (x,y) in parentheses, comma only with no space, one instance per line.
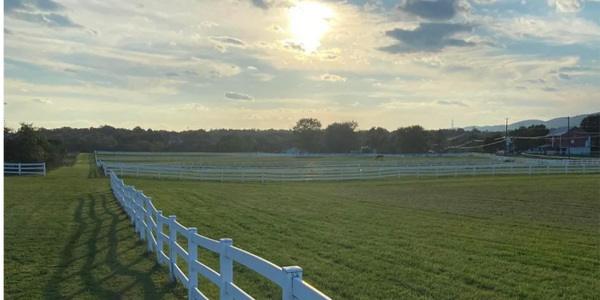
(66,238)
(513,237)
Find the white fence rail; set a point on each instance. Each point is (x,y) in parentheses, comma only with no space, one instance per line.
(150,222)
(245,175)
(25,168)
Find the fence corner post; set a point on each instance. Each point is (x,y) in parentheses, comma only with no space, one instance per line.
(45,169)
(172,253)
(290,274)
(193,256)
(225,268)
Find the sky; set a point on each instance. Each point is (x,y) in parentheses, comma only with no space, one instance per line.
(267,63)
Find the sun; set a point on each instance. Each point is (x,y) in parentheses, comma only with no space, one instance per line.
(308,22)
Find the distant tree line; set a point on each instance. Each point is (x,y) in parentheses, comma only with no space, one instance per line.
(29,145)
(308,135)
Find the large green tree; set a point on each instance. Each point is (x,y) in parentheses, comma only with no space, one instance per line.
(341,137)
(376,138)
(307,134)
(411,139)
(591,125)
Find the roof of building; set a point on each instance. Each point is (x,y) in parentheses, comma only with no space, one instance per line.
(561,131)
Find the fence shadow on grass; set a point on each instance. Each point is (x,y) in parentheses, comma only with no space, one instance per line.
(95,171)
(91,228)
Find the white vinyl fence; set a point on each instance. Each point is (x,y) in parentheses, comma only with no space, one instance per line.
(244,175)
(149,223)
(25,169)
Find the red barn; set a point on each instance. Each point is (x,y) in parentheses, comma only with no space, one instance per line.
(563,140)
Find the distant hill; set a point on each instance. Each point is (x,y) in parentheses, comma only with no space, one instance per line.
(553,123)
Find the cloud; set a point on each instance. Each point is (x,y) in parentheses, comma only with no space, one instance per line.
(428,37)
(564,76)
(566,6)
(264,76)
(455,103)
(260,4)
(229,41)
(7,31)
(194,106)
(374,5)
(39,11)
(437,10)
(171,74)
(276,28)
(42,100)
(208,24)
(332,78)
(252,68)
(238,96)
(292,45)
(252,117)
(549,89)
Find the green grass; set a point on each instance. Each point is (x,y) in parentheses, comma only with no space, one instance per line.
(507,237)
(65,237)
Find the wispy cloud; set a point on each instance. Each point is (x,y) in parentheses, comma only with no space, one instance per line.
(238,96)
(42,100)
(332,78)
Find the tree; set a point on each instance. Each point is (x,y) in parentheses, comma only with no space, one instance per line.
(341,137)
(307,134)
(439,141)
(376,138)
(492,144)
(412,139)
(591,125)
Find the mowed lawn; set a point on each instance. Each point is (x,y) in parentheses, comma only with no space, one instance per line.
(65,237)
(504,237)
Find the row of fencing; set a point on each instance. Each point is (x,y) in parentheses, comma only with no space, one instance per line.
(264,154)
(25,168)
(249,175)
(319,164)
(150,222)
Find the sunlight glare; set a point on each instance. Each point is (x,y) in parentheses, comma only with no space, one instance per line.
(309,21)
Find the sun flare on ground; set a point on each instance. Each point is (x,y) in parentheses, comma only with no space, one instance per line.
(308,22)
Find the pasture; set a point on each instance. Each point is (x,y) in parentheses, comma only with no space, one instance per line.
(454,238)
(501,237)
(65,237)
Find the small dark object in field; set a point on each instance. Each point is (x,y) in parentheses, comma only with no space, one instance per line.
(379,157)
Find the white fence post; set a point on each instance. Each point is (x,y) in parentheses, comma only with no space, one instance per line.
(548,169)
(529,170)
(44,169)
(225,268)
(493,170)
(583,170)
(142,216)
(566,169)
(398,171)
(474,171)
(288,283)
(159,241)
(193,256)
(149,223)
(19,168)
(172,253)
(262,177)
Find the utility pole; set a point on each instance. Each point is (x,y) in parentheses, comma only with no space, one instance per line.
(506,137)
(569,135)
